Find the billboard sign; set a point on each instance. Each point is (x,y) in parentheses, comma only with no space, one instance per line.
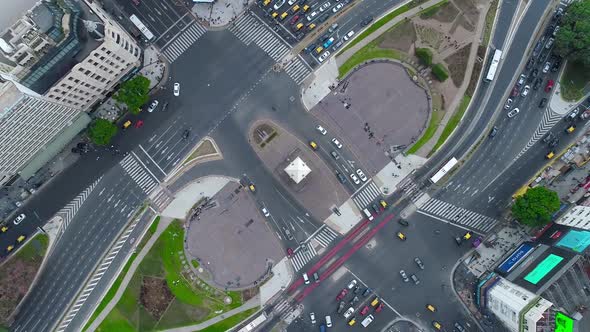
(517,256)
(563,323)
(575,240)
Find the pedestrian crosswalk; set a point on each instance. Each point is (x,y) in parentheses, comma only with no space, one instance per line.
(138,173)
(367,195)
(550,119)
(411,189)
(325,236)
(174,48)
(457,215)
(282,307)
(250,28)
(305,254)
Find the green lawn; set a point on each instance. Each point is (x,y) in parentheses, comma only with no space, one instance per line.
(370,51)
(230,322)
(432,10)
(154,226)
(34,249)
(575,77)
(430,130)
(452,124)
(191,304)
(490,17)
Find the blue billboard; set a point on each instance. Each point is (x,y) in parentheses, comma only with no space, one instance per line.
(511,262)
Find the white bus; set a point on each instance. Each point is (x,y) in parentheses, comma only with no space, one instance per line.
(254,323)
(493,66)
(142,28)
(444,170)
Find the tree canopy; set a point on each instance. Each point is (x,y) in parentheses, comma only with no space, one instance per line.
(536,206)
(101,131)
(573,39)
(134,93)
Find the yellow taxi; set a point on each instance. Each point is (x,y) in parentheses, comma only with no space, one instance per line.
(295,9)
(299,26)
(550,155)
(275,14)
(436,325)
(570,129)
(127,124)
(311,26)
(352,321)
(401,236)
(305,8)
(430,307)
(266,2)
(284,15)
(375,302)
(4,229)
(9,248)
(383,203)
(319,49)
(467,236)
(313,145)
(20,239)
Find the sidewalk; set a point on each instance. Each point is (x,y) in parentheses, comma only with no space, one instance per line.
(221,12)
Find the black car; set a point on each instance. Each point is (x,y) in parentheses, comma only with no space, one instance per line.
(341,178)
(548,138)
(530,63)
(186,133)
(556,65)
(493,132)
(543,102)
(367,292)
(375,208)
(534,73)
(554,142)
(357,289)
(323,18)
(403,222)
(537,83)
(366,21)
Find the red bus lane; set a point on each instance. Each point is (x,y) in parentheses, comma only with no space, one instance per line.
(329,255)
(359,244)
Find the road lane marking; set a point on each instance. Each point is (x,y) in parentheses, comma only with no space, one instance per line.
(152,159)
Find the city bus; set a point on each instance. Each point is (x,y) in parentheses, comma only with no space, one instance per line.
(444,170)
(493,66)
(142,28)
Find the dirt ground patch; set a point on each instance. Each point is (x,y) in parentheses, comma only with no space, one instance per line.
(445,13)
(469,10)
(481,52)
(206,148)
(155,296)
(456,64)
(401,37)
(429,36)
(250,293)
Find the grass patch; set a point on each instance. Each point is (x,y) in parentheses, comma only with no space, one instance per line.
(452,124)
(154,226)
(195,263)
(490,17)
(440,72)
(205,148)
(431,11)
(371,51)
(575,77)
(34,249)
(230,322)
(430,130)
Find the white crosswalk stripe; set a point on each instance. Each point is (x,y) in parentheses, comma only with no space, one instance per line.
(367,195)
(142,178)
(249,28)
(173,49)
(458,215)
(410,188)
(281,307)
(303,256)
(325,236)
(549,120)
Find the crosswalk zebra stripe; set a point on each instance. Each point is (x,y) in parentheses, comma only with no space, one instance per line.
(138,174)
(174,49)
(326,236)
(303,256)
(458,215)
(368,194)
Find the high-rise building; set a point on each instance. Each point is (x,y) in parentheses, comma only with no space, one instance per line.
(32,129)
(71,51)
(578,217)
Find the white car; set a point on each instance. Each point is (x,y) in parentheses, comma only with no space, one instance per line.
(176,89)
(355,179)
(279,4)
(321,129)
(349,312)
(324,56)
(349,35)
(153,106)
(312,316)
(265,212)
(337,143)
(337,7)
(325,6)
(291,2)
(361,175)
(351,284)
(508,103)
(525,91)
(546,67)
(513,113)
(312,15)
(19,218)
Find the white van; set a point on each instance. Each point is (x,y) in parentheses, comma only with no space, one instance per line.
(328,321)
(306,278)
(368,214)
(367,320)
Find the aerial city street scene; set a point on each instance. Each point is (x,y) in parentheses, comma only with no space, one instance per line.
(295,165)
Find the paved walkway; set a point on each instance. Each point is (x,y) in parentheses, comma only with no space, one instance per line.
(221,12)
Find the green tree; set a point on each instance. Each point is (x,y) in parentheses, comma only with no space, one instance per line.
(425,56)
(101,131)
(536,206)
(440,72)
(134,93)
(573,39)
